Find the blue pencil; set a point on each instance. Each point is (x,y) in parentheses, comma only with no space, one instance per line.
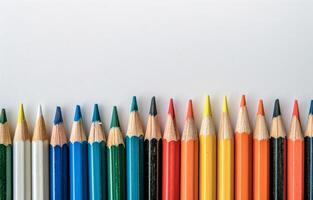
(58,160)
(308,157)
(134,155)
(97,159)
(78,159)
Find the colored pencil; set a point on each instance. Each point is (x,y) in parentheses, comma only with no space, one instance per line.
(78,159)
(171,157)
(243,154)
(6,175)
(134,154)
(207,176)
(261,157)
(22,159)
(59,155)
(295,158)
(97,159)
(116,160)
(277,156)
(225,158)
(189,158)
(308,157)
(40,159)
(153,156)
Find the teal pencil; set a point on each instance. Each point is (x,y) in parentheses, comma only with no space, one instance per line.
(134,155)
(97,159)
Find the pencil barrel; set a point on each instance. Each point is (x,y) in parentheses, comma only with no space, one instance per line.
(207,176)
(97,171)
(59,171)
(278,168)
(170,170)
(116,172)
(134,167)
(261,173)
(308,168)
(78,171)
(6,175)
(153,169)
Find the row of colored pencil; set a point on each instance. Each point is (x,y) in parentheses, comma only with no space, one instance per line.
(225,165)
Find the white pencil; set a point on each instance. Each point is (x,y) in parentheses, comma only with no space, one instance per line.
(40,159)
(21,159)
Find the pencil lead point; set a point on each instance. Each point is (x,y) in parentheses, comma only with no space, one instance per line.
(295,109)
(207,107)
(189,110)
(21,115)
(311,108)
(96,114)
(243,101)
(134,106)
(171,110)
(78,113)
(114,121)
(58,119)
(225,106)
(39,111)
(276,112)
(260,108)
(153,108)
(3,116)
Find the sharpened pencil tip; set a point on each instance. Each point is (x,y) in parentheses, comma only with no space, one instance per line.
(243,101)
(96,114)
(114,121)
(225,106)
(207,107)
(171,110)
(260,108)
(78,113)
(276,111)
(21,115)
(189,109)
(58,119)
(311,108)
(134,106)
(153,108)
(39,111)
(3,116)
(295,111)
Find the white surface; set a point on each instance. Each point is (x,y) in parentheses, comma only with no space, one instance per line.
(40,170)
(22,182)
(64,52)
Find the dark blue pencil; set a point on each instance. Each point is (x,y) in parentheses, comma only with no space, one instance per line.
(58,160)
(78,159)
(308,157)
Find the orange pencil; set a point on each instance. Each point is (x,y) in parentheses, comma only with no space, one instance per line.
(243,154)
(261,157)
(295,158)
(189,158)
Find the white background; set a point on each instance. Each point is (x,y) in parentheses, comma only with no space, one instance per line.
(67,52)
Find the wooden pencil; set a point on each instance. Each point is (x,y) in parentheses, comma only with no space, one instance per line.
(6,175)
(116,160)
(134,154)
(308,156)
(22,159)
(295,158)
(261,157)
(171,157)
(277,156)
(78,159)
(189,158)
(59,155)
(97,158)
(153,156)
(243,154)
(225,158)
(207,174)
(40,159)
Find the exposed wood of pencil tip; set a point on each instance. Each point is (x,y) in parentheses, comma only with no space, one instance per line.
(190,130)
(134,125)
(171,132)
(309,129)
(115,137)
(58,135)
(5,136)
(277,128)
(21,132)
(260,130)
(78,132)
(243,125)
(96,133)
(153,130)
(40,133)
(207,124)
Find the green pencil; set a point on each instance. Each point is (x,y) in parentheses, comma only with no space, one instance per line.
(5,159)
(116,160)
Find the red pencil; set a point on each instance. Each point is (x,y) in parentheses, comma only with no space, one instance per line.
(171,158)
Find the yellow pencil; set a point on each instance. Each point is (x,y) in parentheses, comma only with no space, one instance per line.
(207,154)
(225,158)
